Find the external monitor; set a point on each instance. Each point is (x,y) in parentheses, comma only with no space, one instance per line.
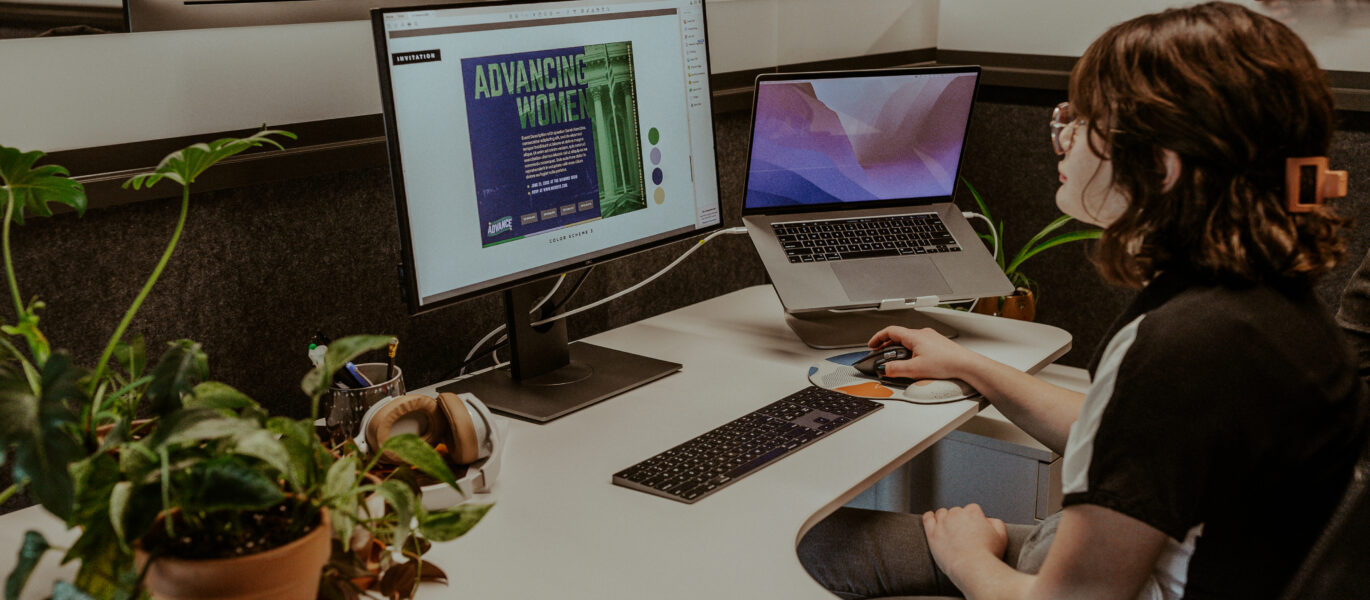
(531,139)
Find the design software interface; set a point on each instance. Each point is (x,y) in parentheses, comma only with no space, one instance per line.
(533,137)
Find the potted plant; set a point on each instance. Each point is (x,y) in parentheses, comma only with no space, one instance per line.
(1022,304)
(206,480)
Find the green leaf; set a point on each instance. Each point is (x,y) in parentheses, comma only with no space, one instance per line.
(196,425)
(299,442)
(980,202)
(95,479)
(18,405)
(224,398)
(118,508)
(30,552)
(184,165)
(28,328)
(180,368)
(413,450)
(1002,254)
(339,491)
(137,461)
(1088,234)
(107,570)
(452,523)
(66,591)
(32,189)
(403,503)
(341,477)
(132,355)
(1052,226)
(213,394)
(225,483)
(102,553)
(264,446)
(340,352)
(43,429)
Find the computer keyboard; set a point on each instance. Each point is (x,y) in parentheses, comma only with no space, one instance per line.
(716,459)
(864,237)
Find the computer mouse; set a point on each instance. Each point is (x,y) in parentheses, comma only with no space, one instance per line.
(873,364)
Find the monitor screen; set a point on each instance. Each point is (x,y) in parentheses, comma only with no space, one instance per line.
(847,138)
(528,139)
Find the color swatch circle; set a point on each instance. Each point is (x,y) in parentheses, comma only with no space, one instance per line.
(653,136)
(657,176)
(659,195)
(656,156)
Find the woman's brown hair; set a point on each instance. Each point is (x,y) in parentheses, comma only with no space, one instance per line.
(1233,94)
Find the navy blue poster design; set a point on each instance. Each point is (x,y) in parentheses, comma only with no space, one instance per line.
(531,142)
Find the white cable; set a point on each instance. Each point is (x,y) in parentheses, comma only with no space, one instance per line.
(486,369)
(993,237)
(991,230)
(638,285)
(496,330)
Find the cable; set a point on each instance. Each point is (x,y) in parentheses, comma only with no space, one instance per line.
(461,369)
(993,237)
(504,339)
(575,288)
(476,348)
(638,285)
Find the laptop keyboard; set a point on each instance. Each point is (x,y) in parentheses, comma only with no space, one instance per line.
(719,457)
(865,237)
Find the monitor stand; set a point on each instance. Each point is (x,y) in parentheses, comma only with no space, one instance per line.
(851,328)
(548,377)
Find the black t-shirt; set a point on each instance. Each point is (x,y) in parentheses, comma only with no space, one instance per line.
(1229,418)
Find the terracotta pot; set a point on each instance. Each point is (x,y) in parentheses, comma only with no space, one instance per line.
(1022,305)
(289,572)
(102,431)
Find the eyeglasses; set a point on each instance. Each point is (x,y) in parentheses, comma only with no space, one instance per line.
(1064,123)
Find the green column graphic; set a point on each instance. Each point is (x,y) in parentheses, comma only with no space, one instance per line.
(618,155)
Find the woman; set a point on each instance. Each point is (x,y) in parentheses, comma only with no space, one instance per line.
(1225,414)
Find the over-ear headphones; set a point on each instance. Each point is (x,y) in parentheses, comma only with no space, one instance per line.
(461,421)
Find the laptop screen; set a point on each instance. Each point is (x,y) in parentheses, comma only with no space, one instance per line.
(861,137)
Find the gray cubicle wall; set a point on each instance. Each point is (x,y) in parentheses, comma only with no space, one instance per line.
(261,268)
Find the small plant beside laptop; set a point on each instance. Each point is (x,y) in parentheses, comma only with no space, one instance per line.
(205,477)
(1022,304)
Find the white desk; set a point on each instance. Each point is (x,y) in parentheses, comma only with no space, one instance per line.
(560,529)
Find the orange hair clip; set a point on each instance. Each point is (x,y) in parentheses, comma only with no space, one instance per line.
(1307,182)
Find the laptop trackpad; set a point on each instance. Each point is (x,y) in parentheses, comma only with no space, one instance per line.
(875,279)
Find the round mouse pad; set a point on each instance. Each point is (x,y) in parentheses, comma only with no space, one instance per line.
(837,373)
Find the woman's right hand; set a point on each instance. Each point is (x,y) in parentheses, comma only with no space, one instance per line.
(934,356)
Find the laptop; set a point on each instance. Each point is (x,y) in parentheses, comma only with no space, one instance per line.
(850,179)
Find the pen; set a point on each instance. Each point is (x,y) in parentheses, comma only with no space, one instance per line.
(390,359)
(356,375)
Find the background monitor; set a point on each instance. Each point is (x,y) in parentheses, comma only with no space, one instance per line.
(529,139)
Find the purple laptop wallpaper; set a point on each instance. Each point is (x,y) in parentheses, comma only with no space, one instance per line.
(825,141)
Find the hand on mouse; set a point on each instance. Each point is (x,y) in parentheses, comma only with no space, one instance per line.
(934,356)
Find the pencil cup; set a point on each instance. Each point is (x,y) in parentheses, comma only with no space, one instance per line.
(343,408)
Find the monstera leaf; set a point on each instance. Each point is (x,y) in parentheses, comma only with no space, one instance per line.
(184,165)
(33,189)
